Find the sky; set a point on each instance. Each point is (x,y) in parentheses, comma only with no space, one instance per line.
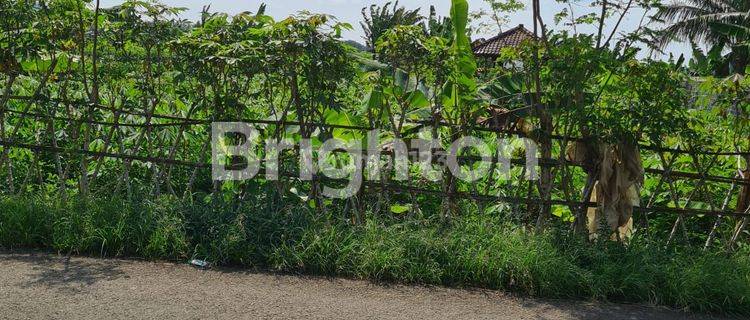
(350,11)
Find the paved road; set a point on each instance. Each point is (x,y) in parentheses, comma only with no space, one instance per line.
(43,286)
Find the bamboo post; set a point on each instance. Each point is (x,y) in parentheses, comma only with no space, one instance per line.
(717,223)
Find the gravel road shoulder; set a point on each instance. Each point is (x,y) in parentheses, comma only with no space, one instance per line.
(47,286)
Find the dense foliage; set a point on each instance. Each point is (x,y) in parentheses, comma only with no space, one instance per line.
(478,251)
(108,92)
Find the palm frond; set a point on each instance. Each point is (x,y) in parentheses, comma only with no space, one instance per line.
(380,19)
(703,21)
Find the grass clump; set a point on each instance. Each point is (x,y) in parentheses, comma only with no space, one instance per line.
(473,250)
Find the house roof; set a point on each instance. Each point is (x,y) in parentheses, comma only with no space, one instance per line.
(511,38)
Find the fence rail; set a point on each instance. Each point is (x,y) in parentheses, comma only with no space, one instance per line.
(150,124)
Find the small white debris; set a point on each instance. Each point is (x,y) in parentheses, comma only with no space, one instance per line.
(200,263)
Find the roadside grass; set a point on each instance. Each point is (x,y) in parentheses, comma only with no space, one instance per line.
(473,250)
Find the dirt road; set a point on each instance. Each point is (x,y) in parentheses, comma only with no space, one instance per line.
(42,286)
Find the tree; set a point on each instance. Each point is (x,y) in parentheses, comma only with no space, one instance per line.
(381,19)
(498,16)
(438,26)
(722,24)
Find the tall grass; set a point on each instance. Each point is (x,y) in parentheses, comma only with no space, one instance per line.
(474,250)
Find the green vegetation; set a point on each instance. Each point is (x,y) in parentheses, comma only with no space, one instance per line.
(474,250)
(105,131)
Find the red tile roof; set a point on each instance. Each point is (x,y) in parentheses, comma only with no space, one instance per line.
(511,38)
